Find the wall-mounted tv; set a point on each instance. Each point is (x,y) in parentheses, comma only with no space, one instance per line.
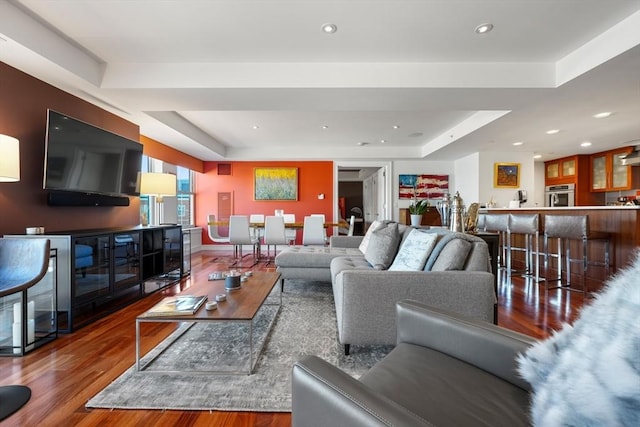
(83,158)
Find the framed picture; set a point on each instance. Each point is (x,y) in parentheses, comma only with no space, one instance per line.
(423,186)
(506,175)
(275,183)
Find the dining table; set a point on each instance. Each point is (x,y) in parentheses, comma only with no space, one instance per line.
(293,225)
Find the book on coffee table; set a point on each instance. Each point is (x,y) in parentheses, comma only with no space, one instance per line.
(178,305)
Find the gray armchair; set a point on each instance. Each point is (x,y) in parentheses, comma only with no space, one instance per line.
(444,371)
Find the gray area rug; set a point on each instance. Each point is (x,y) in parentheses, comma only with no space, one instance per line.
(305,324)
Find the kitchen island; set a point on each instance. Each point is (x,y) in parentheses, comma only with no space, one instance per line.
(622,222)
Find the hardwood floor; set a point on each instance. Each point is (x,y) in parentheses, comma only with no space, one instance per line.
(67,372)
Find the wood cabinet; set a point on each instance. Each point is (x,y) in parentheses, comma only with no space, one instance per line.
(562,171)
(573,170)
(431,217)
(608,173)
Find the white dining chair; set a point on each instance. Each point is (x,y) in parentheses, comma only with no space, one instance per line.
(240,234)
(257,231)
(291,233)
(324,230)
(274,234)
(214,234)
(352,224)
(313,231)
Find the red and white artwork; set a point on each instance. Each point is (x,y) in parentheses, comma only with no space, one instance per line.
(423,186)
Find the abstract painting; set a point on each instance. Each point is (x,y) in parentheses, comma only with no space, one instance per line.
(275,184)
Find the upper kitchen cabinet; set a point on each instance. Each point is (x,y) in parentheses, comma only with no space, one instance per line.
(608,173)
(564,171)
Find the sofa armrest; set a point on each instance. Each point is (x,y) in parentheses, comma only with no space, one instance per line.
(345,241)
(323,395)
(487,346)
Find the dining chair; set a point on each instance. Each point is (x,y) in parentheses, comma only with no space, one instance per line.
(257,231)
(240,234)
(313,232)
(352,224)
(214,234)
(324,230)
(291,233)
(274,234)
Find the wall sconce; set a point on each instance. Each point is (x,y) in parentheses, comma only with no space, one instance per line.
(158,185)
(9,159)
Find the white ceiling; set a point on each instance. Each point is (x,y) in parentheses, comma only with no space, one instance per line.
(199,75)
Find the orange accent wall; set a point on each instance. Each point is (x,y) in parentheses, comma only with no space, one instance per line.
(313,178)
(23,114)
(159,151)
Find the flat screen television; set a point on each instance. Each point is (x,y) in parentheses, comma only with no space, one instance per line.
(83,158)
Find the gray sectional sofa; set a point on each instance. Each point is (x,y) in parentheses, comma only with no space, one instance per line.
(392,262)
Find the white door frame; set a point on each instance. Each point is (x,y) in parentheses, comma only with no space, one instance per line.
(384,192)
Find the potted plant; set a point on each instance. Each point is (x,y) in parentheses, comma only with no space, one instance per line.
(416,209)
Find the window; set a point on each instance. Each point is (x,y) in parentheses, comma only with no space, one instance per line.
(185,196)
(177,209)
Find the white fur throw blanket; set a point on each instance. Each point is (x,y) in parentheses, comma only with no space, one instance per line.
(588,374)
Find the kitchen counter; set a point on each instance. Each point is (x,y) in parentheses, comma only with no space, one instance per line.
(622,222)
(571,208)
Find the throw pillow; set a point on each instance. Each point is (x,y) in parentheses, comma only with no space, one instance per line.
(414,251)
(382,247)
(367,236)
(453,256)
(589,373)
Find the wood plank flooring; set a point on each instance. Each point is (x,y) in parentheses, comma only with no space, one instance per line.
(67,372)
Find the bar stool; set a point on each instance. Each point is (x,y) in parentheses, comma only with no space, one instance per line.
(572,227)
(527,225)
(500,224)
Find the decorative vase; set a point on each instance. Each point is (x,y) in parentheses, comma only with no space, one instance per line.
(416,219)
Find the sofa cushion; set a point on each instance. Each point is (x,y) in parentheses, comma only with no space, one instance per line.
(453,256)
(367,236)
(383,246)
(596,357)
(414,251)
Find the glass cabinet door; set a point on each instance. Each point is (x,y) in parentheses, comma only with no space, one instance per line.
(552,170)
(126,259)
(569,168)
(599,173)
(173,251)
(619,172)
(91,262)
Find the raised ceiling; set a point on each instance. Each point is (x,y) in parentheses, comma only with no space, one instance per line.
(246,80)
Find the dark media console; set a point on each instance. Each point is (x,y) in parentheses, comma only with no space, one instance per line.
(68,198)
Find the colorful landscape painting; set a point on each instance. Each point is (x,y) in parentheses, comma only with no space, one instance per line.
(425,186)
(276,183)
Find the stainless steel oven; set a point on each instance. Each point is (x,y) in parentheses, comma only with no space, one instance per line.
(560,195)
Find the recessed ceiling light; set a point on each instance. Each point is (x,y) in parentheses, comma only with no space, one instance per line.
(255,127)
(396,127)
(382,141)
(325,127)
(602,115)
(552,131)
(329,28)
(363,143)
(518,143)
(585,144)
(484,28)
(537,156)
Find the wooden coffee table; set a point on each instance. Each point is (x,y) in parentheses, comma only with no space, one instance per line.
(241,305)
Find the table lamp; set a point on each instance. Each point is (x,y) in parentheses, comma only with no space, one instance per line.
(158,185)
(9,159)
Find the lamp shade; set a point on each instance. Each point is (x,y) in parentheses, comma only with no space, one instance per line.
(9,159)
(158,184)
